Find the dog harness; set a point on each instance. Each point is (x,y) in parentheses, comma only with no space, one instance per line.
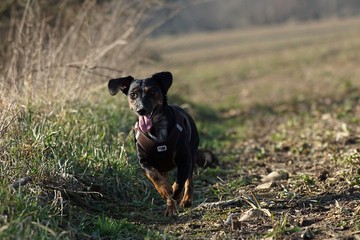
(160,155)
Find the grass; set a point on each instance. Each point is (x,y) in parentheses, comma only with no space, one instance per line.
(69,154)
(282,228)
(284,98)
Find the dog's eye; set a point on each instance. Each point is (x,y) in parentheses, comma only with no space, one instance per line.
(133,95)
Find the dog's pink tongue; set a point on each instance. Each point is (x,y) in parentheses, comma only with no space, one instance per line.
(145,123)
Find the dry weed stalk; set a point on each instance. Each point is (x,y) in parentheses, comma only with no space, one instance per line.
(56,52)
(58,56)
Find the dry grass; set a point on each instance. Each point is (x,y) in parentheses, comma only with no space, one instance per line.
(62,55)
(55,145)
(53,54)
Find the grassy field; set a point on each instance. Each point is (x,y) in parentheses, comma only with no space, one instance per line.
(279,107)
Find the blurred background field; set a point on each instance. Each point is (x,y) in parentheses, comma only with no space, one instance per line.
(261,64)
(274,85)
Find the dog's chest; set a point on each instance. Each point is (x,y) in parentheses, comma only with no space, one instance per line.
(160,154)
(159,131)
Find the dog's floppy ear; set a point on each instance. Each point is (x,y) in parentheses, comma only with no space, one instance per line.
(122,84)
(165,80)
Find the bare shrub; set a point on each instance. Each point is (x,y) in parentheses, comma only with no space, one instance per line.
(57,51)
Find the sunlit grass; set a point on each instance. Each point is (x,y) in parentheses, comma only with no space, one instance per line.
(83,150)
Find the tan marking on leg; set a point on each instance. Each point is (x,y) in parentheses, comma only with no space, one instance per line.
(164,189)
(175,188)
(186,201)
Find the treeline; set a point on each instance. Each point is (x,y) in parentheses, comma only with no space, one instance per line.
(226,14)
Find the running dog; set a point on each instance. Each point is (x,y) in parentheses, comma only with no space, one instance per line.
(166,136)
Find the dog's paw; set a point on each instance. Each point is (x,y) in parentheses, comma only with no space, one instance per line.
(185,203)
(170,208)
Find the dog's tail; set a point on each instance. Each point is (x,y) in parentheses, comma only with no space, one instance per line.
(205,158)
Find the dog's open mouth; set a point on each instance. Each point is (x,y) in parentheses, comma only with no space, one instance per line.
(145,123)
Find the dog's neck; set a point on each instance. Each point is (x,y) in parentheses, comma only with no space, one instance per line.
(160,124)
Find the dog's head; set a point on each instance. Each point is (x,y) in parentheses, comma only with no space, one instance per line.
(145,96)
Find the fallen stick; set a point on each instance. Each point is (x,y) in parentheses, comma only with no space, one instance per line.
(222,204)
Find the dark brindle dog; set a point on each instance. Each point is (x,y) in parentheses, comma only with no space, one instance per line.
(165,135)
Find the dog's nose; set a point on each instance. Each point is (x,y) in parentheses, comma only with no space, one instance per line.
(141,111)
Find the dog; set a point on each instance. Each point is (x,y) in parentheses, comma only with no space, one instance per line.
(166,137)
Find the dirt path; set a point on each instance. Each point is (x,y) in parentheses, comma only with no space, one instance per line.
(296,177)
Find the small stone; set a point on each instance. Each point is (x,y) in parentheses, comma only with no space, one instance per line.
(254,214)
(307,234)
(267,185)
(323,175)
(276,175)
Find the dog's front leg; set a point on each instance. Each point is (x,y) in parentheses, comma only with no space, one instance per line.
(159,180)
(163,187)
